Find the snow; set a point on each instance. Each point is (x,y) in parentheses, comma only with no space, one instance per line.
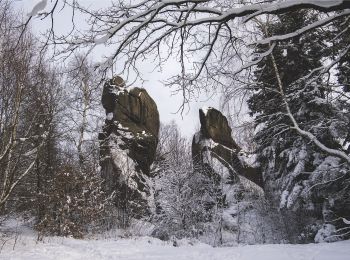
(284,199)
(343,143)
(347,222)
(248,159)
(109,116)
(300,167)
(325,233)
(294,195)
(37,8)
(259,128)
(121,127)
(205,110)
(284,53)
(102,39)
(23,244)
(121,158)
(31,152)
(150,248)
(306,28)
(327,170)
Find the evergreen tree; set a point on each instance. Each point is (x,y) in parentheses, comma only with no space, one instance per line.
(294,168)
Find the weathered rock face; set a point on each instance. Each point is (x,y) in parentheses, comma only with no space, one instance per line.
(129,142)
(214,142)
(214,126)
(218,159)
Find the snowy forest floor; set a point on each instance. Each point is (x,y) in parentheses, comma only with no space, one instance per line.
(24,245)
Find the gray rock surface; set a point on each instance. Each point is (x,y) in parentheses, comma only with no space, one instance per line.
(214,140)
(128,144)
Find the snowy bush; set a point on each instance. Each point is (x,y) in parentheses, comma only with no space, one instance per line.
(74,206)
(326,234)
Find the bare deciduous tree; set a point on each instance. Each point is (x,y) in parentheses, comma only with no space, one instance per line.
(211,39)
(23,136)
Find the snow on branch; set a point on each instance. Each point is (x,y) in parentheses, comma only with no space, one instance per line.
(304,29)
(296,126)
(127,21)
(209,39)
(37,8)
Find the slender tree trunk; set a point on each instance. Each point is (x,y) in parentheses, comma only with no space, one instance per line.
(84,122)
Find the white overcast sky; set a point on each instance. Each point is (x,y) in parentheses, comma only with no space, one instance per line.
(167,103)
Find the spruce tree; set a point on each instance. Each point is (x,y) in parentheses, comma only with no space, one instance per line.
(294,169)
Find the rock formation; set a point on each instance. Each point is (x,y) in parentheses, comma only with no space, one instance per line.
(220,161)
(213,145)
(128,144)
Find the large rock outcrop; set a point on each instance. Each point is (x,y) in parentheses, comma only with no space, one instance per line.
(128,144)
(214,145)
(221,163)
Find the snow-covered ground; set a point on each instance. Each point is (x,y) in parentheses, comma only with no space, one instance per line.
(150,248)
(26,247)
